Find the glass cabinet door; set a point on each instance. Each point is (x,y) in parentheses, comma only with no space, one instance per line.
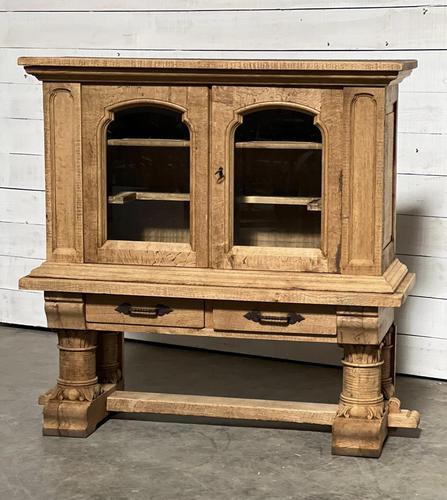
(271,151)
(149,201)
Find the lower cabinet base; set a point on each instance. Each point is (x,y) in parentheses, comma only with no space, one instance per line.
(91,380)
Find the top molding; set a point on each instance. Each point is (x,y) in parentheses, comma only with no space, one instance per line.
(218,71)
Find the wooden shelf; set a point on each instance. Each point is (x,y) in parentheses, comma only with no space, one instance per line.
(126,196)
(153,143)
(277,145)
(313,204)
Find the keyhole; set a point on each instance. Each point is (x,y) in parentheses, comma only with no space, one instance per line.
(220,174)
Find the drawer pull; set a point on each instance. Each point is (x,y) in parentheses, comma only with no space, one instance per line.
(286,320)
(143,312)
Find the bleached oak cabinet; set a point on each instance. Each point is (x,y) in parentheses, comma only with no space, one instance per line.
(237,199)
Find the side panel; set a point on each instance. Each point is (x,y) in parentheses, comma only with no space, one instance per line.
(62,104)
(363,185)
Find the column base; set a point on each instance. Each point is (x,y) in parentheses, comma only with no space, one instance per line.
(75,418)
(359,437)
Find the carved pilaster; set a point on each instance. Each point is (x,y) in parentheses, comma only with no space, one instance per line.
(109,357)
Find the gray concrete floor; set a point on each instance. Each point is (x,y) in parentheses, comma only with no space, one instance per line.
(168,458)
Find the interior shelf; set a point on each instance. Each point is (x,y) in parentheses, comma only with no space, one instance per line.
(312,204)
(278,145)
(153,143)
(126,196)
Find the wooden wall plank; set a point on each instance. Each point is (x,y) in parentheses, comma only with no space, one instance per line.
(422,113)
(422,195)
(379,29)
(26,305)
(431,275)
(423,317)
(216,5)
(13,268)
(21,136)
(422,154)
(22,240)
(21,101)
(424,236)
(422,356)
(26,207)
(22,171)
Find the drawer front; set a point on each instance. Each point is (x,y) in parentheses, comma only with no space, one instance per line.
(287,319)
(154,311)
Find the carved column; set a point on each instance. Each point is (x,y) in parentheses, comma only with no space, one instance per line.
(362,379)
(109,357)
(77,403)
(77,366)
(360,426)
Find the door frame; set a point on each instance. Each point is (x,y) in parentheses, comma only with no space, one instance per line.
(228,105)
(98,106)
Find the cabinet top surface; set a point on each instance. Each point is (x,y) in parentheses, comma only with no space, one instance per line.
(217,70)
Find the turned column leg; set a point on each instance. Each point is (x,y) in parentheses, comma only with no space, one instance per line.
(109,359)
(360,426)
(78,402)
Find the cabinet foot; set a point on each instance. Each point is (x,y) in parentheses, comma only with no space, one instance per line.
(77,404)
(359,437)
(75,418)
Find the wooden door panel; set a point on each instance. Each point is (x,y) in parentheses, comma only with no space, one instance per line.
(229,106)
(99,104)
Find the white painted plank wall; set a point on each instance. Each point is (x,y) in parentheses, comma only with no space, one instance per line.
(295,29)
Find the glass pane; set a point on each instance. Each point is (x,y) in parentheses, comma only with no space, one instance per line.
(278,178)
(148,176)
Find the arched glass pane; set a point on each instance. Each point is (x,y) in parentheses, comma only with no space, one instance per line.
(277,180)
(148,176)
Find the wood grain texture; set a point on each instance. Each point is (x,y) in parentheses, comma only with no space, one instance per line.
(395,299)
(311,320)
(181,313)
(217,5)
(388,283)
(239,30)
(63,176)
(100,103)
(221,407)
(232,408)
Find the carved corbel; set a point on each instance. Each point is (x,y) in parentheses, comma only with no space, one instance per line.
(65,310)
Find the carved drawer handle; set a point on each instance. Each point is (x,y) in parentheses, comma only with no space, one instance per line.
(143,312)
(265,319)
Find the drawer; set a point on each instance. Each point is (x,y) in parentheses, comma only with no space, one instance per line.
(288,319)
(154,311)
